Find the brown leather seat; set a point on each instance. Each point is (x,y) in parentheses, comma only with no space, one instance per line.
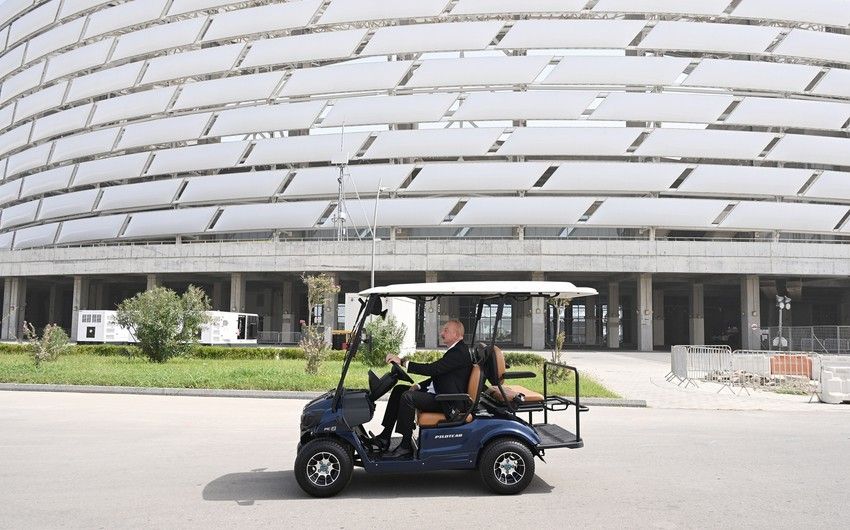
(510,390)
(431,419)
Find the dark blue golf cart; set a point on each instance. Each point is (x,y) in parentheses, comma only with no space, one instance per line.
(488,433)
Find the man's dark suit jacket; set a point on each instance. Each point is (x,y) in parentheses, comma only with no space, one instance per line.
(450,373)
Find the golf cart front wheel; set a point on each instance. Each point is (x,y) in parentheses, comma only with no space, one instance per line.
(323,467)
(506,466)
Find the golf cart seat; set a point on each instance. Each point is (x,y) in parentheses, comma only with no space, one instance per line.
(511,391)
(432,419)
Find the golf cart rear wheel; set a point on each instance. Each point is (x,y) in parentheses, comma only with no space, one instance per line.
(506,466)
(323,467)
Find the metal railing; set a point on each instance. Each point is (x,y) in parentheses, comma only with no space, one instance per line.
(278,337)
(831,340)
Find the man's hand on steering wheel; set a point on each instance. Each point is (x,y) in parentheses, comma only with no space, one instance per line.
(393,359)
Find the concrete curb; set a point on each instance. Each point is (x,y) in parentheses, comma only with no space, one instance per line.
(254,394)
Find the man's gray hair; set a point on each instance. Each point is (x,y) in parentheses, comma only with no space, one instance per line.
(458,325)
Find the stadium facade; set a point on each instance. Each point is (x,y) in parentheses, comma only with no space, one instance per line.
(688,159)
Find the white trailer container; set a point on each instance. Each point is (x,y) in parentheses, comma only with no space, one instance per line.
(403,311)
(101,326)
(230,328)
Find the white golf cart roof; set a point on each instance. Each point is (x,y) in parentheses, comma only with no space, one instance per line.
(564,290)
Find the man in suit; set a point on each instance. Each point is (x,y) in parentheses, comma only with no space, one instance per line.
(448,375)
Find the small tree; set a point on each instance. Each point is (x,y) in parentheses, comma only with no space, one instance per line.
(558,374)
(48,347)
(164,323)
(385,337)
(321,290)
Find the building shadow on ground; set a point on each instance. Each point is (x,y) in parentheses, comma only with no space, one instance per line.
(257,485)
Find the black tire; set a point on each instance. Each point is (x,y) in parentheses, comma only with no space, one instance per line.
(506,466)
(323,467)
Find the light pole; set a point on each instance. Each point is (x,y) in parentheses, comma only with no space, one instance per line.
(782,302)
(375,230)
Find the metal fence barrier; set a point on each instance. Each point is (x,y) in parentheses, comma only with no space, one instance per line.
(278,337)
(830,340)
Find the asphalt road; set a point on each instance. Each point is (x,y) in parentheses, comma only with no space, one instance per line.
(125,461)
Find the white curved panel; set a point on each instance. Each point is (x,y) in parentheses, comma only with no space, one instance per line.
(596,177)
(361,10)
(828,12)
(94,54)
(262,19)
(674,213)
(399,212)
(164,131)
(188,64)
(161,37)
(477,177)
(9,9)
(617,71)
(816,45)
(527,34)
(104,81)
(9,191)
(6,114)
(479,7)
(56,38)
(812,149)
(29,159)
(750,74)
(85,144)
(197,157)
(14,138)
(179,7)
(36,236)
(769,112)
(784,216)
(19,214)
(169,222)
(38,18)
(50,180)
(72,7)
(146,103)
(694,108)
(115,168)
(12,60)
(91,229)
(729,38)
(529,105)
(691,7)
(359,180)
(836,82)
(40,101)
(578,141)
(478,71)
(21,82)
(228,90)
(67,204)
(59,122)
(704,144)
(831,185)
(123,15)
(6,240)
(745,180)
(300,48)
(451,36)
(434,143)
(282,215)
(130,196)
(389,109)
(282,117)
(314,148)
(233,186)
(354,77)
(527,211)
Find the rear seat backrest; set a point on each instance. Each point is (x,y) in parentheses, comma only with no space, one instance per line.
(499,358)
(474,386)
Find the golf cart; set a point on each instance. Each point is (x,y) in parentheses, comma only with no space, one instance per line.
(487,433)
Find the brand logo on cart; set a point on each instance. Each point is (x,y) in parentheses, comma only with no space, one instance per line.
(444,436)
(330,429)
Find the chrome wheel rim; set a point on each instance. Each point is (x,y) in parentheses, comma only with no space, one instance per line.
(323,469)
(509,468)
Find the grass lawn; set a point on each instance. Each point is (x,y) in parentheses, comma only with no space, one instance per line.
(226,373)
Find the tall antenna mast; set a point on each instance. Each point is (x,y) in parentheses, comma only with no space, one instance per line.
(342,162)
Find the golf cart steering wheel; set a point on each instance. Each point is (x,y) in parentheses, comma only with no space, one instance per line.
(400,374)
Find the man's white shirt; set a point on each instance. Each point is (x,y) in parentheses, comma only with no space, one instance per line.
(431,389)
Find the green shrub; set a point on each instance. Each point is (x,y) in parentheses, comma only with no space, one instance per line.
(49,346)
(512,358)
(106,350)
(12,347)
(385,337)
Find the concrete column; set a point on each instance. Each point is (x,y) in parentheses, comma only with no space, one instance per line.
(697,317)
(432,323)
(14,303)
(237,292)
(99,298)
(644,312)
(658,317)
(750,313)
(590,320)
(538,316)
(51,304)
(154,280)
(329,312)
(287,324)
(7,309)
(218,296)
(613,315)
(78,303)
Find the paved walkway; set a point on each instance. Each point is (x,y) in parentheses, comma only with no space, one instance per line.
(638,375)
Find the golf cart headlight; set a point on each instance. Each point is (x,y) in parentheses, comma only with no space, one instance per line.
(310,420)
